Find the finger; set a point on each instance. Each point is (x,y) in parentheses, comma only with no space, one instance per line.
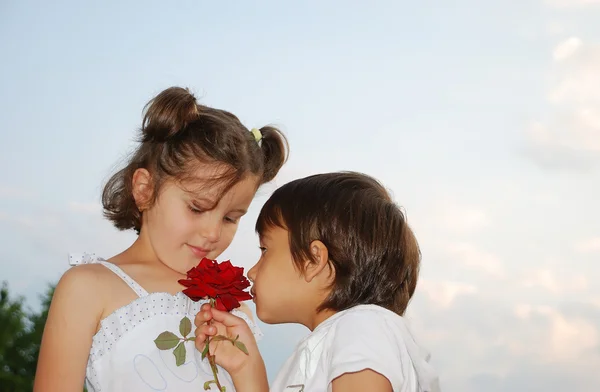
(205,307)
(226,318)
(200,340)
(203,317)
(208,330)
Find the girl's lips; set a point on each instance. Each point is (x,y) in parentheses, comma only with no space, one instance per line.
(199,252)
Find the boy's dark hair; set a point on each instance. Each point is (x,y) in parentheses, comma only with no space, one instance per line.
(374,253)
(177,135)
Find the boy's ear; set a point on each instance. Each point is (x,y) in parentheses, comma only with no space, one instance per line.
(320,261)
(141,184)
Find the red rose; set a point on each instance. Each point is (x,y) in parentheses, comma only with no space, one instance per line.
(222,282)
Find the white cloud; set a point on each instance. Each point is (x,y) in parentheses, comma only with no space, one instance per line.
(548,280)
(88,208)
(590,245)
(444,293)
(472,257)
(578,132)
(463,218)
(565,340)
(504,343)
(572,3)
(42,221)
(566,48)
(555,28)
(570,136)
(10,192)
(576,78)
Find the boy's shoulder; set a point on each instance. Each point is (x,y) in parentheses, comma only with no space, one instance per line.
(361,315)
(361,325)
(372,337)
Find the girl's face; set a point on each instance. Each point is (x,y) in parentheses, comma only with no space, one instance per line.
(182,231)
(280,292)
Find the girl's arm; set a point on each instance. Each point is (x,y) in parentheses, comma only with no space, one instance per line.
(72,322)
(365,380)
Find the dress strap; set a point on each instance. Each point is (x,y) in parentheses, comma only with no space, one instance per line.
(135,286)
(83,258)
(91,258)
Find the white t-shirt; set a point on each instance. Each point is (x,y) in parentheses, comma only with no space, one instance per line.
(359,338)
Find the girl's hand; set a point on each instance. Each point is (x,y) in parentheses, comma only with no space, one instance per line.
(211,322)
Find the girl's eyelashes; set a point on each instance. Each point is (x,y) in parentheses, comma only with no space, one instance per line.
(198,210)
(195,209)
(262,249)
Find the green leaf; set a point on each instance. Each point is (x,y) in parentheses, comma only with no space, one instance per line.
(166,341)
(179,353)
(241,346)
(185,326)
(192,339)
(205,351)
(223,389)
(207,384)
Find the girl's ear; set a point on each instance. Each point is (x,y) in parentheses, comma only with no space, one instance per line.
(320,260)
(141,184)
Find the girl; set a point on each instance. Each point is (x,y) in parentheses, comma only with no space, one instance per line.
(184,191)
(339,258)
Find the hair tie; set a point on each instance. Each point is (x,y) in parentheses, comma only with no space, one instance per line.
(257,134)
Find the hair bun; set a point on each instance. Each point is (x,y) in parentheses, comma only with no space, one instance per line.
(168,113)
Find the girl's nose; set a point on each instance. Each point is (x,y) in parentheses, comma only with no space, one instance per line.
(211,231)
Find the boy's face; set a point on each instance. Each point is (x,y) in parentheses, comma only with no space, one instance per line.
(280,292)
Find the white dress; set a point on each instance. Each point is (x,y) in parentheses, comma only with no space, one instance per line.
(359,338)
(124,356)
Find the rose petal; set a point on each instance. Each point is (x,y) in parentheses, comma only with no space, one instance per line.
(228,302)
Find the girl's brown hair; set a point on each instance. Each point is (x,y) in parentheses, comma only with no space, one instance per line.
(178,135)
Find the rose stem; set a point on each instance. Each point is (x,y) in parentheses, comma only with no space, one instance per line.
(211,358)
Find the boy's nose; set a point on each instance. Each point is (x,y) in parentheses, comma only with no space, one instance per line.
(252,273)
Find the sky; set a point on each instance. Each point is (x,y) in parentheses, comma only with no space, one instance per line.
(481,118)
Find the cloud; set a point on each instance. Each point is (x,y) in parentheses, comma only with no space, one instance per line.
(88,208)
(483,343)
(570,136)
(590,245)
(10,192)
(444,293)
(43,220)
(462,218)
(563,341)
(566,48)
(471,257)
(548,280)
(572,3)
(41,238)
(555,28)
